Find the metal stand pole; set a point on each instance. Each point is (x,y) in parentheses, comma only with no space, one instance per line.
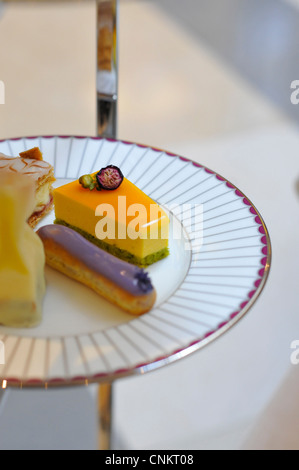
(107,67)
(107,89)
(105,416)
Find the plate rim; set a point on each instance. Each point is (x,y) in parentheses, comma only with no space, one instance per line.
(194,346)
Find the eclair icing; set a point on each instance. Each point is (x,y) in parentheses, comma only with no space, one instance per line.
(125,275)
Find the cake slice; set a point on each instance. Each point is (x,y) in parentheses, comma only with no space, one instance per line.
(22,257)
(123,220)
(31,163)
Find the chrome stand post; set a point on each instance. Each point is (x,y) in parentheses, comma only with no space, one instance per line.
(107,67)
(105,396)
(107,91)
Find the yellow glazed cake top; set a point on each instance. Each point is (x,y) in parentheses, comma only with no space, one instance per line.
(127,196)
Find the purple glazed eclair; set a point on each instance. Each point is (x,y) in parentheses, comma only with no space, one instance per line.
(122,283)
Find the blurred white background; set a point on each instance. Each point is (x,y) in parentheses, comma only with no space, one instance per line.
(209,81)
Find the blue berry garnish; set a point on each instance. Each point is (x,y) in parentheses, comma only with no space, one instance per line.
(144,281)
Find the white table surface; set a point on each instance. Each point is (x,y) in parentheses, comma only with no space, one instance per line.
(174,93)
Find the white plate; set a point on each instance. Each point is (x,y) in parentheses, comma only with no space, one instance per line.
(219,261)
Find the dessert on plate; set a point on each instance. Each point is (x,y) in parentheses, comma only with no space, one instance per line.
(119,282)
(22,257)
(31,164)
(113,213)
